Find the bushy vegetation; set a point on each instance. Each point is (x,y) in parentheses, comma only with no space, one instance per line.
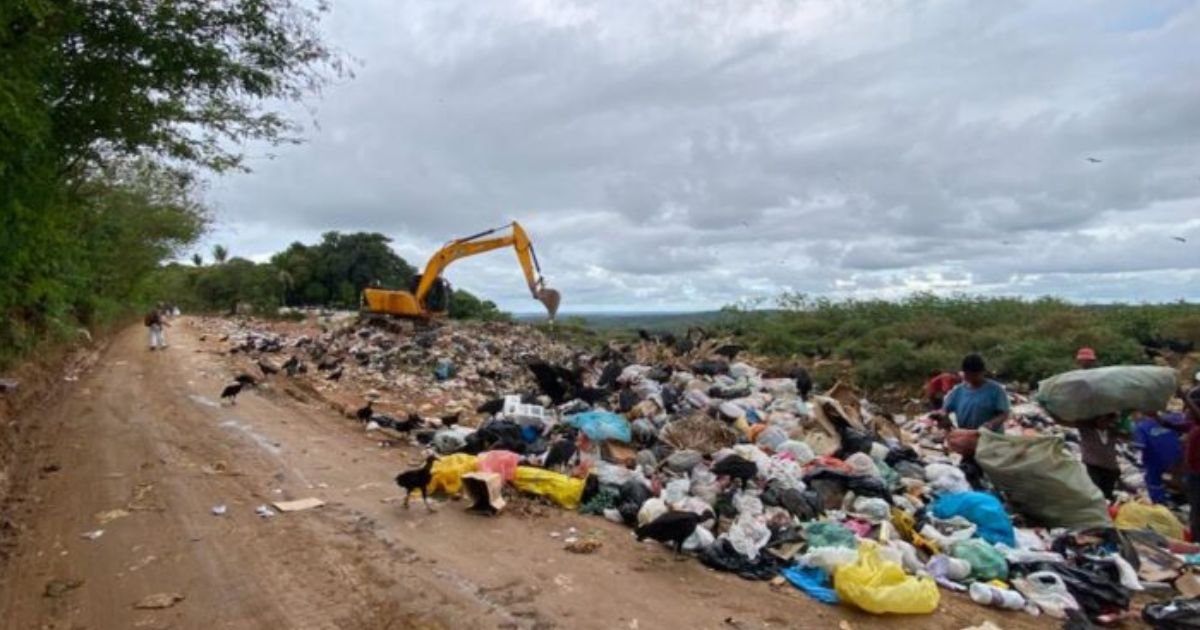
(330,274)
(108,108)
(901,342)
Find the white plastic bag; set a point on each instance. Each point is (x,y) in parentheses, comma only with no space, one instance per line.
(829,558)
(650,510)
(946,478)
(748,535)
(676,491)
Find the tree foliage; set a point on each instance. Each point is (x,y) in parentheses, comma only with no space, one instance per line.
(902,341)
(106,109)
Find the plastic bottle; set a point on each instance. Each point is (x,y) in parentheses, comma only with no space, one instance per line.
(989,595)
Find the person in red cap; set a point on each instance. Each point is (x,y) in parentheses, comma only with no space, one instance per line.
(1098,440)
(1085,358)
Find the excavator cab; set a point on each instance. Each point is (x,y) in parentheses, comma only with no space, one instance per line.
(429,295)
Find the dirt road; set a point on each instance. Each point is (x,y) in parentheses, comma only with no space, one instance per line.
(139,448)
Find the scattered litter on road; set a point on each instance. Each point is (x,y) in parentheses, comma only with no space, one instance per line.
(582,546)
(298,504)
(159,600)
(107,516)
(59,587)
(264,511)
(219,510)
(7,385)
(92,535)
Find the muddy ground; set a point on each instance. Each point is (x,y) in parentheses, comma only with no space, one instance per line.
(138,447)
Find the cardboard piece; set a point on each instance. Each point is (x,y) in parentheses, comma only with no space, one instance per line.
(298,504)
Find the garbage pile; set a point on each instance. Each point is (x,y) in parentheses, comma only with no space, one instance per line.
(759,477)
(447,368)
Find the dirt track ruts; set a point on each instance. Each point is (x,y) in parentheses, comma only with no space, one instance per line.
(142,433)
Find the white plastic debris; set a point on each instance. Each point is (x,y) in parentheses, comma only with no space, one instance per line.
(219,510)
(264,511)
(92,535)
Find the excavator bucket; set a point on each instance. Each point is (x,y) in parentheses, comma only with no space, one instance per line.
(550,299)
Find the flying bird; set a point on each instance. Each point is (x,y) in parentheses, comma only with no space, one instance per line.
(1094,160)
(1180,239)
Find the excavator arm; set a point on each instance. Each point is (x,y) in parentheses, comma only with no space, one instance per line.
(478,244)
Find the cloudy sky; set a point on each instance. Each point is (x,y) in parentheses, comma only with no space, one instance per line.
(676,155)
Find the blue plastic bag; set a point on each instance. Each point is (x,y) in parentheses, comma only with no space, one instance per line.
(812,580)
(983,509)
(602,425)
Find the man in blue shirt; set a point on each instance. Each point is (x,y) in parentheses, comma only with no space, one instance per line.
(977,402)
(1162,449)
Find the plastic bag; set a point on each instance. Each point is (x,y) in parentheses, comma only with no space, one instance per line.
(1082,394)
(801,452)
(882,587)
(828,558)
(602,425)
(562,490)
(873,509)
(862,464)
(1153,517)
(676,491)
(447,473)
(947,532)
(1042,480)
(814,581)
(946,478)
(701,538)
(503,463)
(829,535)
(650,510)
(986,562)
(748,536)
(983,509)
(1176,614)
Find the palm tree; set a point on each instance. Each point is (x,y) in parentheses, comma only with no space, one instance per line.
(198,260)
(220,253)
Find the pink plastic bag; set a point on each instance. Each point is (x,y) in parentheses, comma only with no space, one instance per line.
(503,463)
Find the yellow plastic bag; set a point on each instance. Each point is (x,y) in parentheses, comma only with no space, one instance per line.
(448,471)
(561,489)
(1153,517)
(878,586)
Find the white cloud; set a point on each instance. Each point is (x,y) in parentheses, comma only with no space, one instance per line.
(687,155)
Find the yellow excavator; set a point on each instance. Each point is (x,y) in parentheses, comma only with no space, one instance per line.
(429,295)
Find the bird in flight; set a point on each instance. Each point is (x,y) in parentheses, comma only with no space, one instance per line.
(1094,160)
(1180,239)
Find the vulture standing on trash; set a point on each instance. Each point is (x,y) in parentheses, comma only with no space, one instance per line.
(335,374)
(673,527)
(736,468)
(365,412)
(230,392)
(560,454)
(417,478)
(246,380)
(491,407)
(291,365)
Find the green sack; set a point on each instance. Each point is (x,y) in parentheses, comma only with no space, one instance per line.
(1082,394)
(1041,480)
(986,563)
(821,534)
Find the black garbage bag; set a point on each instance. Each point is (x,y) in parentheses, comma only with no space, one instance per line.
(633,494)
(658,373)
(592,487)
(853,441)
(1097,541)
(495,435)
(861,485)
(1097,587)
(608,377)
(728,393)
(722,557)
(805,505)
(627,399)
(670,398)
(710,368)
(902,454)
(1177,614)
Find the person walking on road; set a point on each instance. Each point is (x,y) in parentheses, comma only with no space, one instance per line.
(155,322)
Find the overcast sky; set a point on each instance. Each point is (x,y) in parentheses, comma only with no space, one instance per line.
(677,155)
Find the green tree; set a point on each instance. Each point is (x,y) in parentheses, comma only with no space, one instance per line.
(336,270)
(463,305)
(197,260)
(220,253)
